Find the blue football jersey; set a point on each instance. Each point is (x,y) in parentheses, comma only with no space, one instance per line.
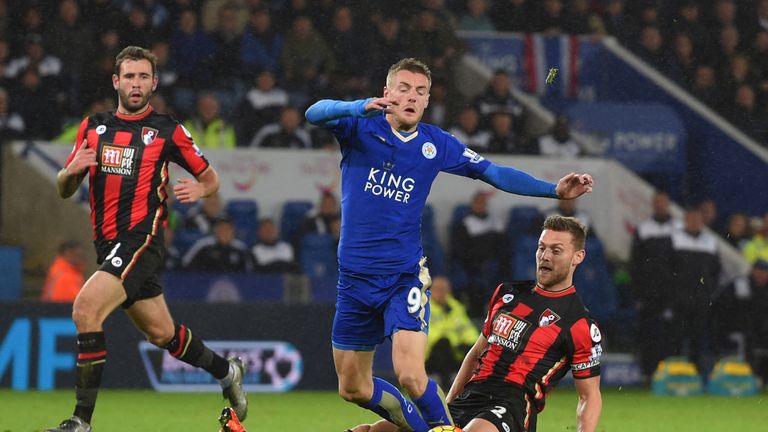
(385,180)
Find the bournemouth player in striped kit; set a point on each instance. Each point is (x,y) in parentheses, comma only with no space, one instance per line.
(534,333)
(125,155)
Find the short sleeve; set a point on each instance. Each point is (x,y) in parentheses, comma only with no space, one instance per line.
(460,160)
(186,153)
(78,141)
(491,310)
(585,348)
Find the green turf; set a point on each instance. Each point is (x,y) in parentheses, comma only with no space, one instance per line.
(124,411)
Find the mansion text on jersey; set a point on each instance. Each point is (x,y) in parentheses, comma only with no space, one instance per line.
(384,183)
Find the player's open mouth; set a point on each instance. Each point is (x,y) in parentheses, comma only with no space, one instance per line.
(544,269)
(410,110)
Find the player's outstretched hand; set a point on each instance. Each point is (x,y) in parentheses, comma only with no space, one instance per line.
(188,191)
(83,160)
(574,185)
(380,104)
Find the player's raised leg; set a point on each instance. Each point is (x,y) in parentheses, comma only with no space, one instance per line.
(408,353)
(153,318)
(100,295)
(358,385)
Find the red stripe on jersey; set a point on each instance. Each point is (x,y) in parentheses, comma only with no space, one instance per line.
(568,291)
(188,151)
(522,310)
(112,186)
(582,346)
(488,361)
(149,160)
(524,363)
(79,140)
(492,307)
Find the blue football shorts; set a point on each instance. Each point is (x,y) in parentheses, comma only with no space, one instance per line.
(372,307)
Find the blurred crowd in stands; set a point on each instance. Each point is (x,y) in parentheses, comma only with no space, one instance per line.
(241,72)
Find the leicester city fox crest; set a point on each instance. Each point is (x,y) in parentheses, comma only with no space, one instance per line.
(148,135)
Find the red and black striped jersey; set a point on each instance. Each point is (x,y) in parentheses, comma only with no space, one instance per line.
(535,337)
(127,188)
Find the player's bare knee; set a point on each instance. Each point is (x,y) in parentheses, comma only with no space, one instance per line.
(86,319)
(159,337)
(413,381)
(354,394)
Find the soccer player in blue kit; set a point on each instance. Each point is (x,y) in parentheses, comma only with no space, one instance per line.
(389,161)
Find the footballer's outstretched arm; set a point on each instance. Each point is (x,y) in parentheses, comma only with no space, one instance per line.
(590,404)
(518,182)
(327,112)
(70,177)
(467,366)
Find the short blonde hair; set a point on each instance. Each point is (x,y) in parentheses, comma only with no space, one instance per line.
(412,65)
(571,225)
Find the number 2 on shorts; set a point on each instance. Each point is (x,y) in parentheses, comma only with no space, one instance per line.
(414,300)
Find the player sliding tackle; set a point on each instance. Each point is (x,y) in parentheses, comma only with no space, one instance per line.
(383,285)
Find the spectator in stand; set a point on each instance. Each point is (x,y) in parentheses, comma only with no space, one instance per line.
(432,40)
(262,105)
(737,230)
(70,39)
(319,220)
(650,47)
(724,15)
(476,17)
(388,46)
(746,115)
(498,97)
(35,103)
(682,62)
(581,19)
(503,137)
(225,65)
(651,272)
(468,131)
(48,67)
(478,246)
(209,13)
(272,255)
(727,47)
(202,217)
(11,123)
(705,86)
(688,21)
(451,332)
(220,252)
(695,279)
(31,23)
(262,45)
(559,143)
(306,60)
(191,49)
(619,23)
(757,247)
(137,28)
(167,77)
(760,62)
(550,18)
(345,39)
(66,274)
(288,132)
(568,208)
(762,16)
(210,130)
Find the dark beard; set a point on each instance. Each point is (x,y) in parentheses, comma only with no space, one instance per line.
(128,107)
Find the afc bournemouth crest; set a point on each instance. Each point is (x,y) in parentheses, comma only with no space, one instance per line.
(148,135)
(548,317)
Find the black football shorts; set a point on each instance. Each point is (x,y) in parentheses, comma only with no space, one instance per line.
(512,411)
(137,260)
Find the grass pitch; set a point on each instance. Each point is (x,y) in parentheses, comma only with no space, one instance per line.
(130,411)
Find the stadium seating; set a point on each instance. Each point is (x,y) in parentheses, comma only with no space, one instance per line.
(523,262)
(318,255)
(521,219)
(245,215)
(594,282)
(292,218)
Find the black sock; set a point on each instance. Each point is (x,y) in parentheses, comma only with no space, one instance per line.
(191,350)
(91,356)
